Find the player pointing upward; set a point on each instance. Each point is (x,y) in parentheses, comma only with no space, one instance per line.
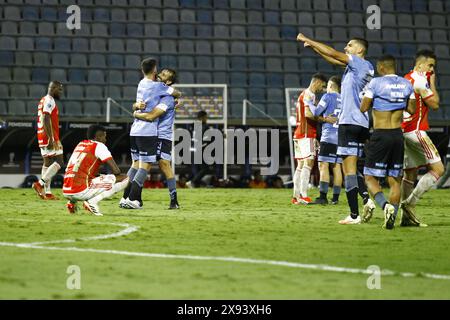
(353,124)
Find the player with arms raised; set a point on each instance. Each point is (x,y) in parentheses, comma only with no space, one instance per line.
(353,129)
(80,180)
(48,140)
(419,149)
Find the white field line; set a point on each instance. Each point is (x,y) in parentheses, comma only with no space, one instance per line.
(320,267)
(130,228)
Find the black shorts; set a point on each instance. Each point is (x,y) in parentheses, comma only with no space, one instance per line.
(385,152)
(164,150)
(351,140)
(328,153)
(144,148)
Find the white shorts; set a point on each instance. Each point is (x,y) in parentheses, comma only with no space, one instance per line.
(48,153)
(419,150)
(305,148)
(98,185)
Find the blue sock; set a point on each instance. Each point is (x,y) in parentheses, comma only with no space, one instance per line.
(137,184)
(131,173)
(172,185)
(336,193)
(323,189)
(351,188)
(380,199)
(140,177)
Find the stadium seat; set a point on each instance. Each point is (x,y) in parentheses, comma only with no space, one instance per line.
(153,15)
(92,108)
(305,19)
(392,49)
(98,45)
(274,94)
(238,94)
(12,13)
(238,63)
(58,74)
(356,19)
(238,32)
(322,18)
(32,107)
(255,17)
(60,59)
(94,92)
(237,17)
(21,75)
(308,64)
(7,43)
(186,46)
(257,80)
(272,17)
(30,13)
(129,92)
(17,107)
(3,108)
(354,5)
(221,31)
(101,15)
(435,6)
(287,4)
(238,79)
(439,36)
(256,32)
(114,77)
(238,48)
(74,92)
(438,21)
(276,110)
(49,14)
(220,63)
(187,3)
(274,80)
(186,62)
(289,48)
(115,93)
(255,48)
(169,61)
(289,18)
(116,45)
(170,16)
(322,33)
(169,30)
(220,77)
(40,75)
(151,46)
(272,48)
(337,5)
(135,30)
(97,60)
(7,58)
(72,108)
(25,43)
(271,33)
(37,91)
(338,19)
(442,51)
(324,66)
(421,21)
(290,64)
(118,15)
(404,20)
(186,77)
(389,20)
(18,91)
(9,28)
(221,16)
(220,47)
(256,95)
(406,35)
(355,32)
(408,50)
(339,34)
(423,35)
(80,44)
(117,29)
(273,64)
(204,16)
(187,31)
(41,59)
(203,77)
(45,44)
(235,110)
(305,5)
(187,15)
(136,15)
(389,34)
(204,31)
(96,76)
(4,90)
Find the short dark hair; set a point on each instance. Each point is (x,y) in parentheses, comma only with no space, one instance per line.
(363,42)
(388,60)
(336,80)
(148,65)
(93,129)
(426,53)
(201,114)
(319,76)
(173,75)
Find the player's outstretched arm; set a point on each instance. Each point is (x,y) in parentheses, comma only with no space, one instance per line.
(366,104)
(328,53)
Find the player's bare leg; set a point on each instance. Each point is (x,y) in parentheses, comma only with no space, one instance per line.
(390,207)
(337,182)
(166,168)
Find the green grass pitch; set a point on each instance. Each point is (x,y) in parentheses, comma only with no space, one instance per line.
(250,224)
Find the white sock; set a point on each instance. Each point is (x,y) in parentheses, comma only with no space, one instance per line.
(425,183)
(47,183)
(297,182)
(304,180)
(51,171)
(117,187)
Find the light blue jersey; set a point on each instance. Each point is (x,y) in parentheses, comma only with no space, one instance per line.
(389,92)
(357,75)
(150,92)
(329,105)
(165,124)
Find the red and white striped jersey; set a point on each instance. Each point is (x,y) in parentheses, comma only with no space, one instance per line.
(84,164)
(306,128)
(47,105)
(418,120)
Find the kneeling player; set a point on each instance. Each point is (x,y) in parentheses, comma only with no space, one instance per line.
(164,114)
(388,95)
(80,181)
(329,108)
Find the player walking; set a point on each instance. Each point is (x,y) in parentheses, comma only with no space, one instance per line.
(388,96)
(80,181)
(419,149)
(305,143)
(48,139)
(353,128)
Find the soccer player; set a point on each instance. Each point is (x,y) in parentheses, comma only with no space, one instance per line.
(80,181)
(164,115)
(305,143)
(419,149)
(329,106)
(144,134)
(353,128)
(48,139)
(388,96)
